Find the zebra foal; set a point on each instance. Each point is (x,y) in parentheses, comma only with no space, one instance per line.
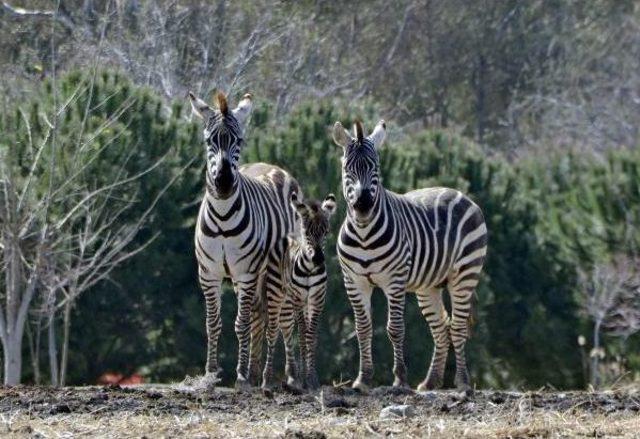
(421,241)
(304,276)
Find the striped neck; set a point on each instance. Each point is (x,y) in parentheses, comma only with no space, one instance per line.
(224,207)
(376,210)
(303,265)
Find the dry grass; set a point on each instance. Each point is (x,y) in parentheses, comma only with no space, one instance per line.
(226,414)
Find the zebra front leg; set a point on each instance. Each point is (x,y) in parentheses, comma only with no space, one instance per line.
(275,299)
(395,331)
(360,297)
(211,288)
(245,290)
(301,321)
(434,312)
(314,312)
(286,327)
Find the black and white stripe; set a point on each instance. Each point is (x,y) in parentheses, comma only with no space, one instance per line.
(422,241)
(305,282)
(244,217)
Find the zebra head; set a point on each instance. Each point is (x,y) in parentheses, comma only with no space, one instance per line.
(223,134)
(314,226)
(360,167)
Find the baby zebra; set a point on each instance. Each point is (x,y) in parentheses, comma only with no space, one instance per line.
(304,278)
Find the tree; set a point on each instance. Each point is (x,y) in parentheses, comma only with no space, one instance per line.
(610,298)
(72,198)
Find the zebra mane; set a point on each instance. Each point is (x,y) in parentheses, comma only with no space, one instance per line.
(359,130)
(221,101)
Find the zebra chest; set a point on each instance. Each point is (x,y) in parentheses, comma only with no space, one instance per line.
(373,259)
(233,256)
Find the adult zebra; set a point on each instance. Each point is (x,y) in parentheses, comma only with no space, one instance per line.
(421,241)
(245,215)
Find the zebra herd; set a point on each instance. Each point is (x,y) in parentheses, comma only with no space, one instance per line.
(255,228)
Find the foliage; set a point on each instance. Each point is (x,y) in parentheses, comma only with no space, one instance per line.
(547,217)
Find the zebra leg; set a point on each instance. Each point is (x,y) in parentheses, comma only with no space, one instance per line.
(434,312)
(245,290)
(314,311)
(395,331)
(360,297)
(461,302)
(211,288)
(301,321)
(258,312)
(275,299)
(286,327)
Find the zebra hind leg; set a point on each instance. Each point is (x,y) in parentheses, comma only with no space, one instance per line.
(462,294)
(434,312)
(275,299)
(395,331)
(258,321)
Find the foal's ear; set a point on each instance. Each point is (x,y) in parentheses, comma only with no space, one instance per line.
(329,205)
(199,107)
(298,206)
(341,137)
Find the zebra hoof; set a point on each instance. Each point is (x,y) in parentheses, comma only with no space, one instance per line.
(294,384)
(462,385)
(242,384)
(430,384)
(401,384)
(294,387)
(360,385)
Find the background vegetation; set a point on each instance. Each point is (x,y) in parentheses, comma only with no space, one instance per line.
(532,108)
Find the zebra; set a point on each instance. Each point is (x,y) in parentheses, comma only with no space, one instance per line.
(421,241)
(305,279)
(244,216)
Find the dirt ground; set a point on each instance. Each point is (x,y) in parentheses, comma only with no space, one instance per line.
(166,411)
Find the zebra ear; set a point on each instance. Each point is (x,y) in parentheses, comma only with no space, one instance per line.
(299,207)
(243,110)
(199,107)
(379,133)
(341,137)
(329,205)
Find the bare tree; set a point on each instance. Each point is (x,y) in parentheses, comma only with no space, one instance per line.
(610,298)
(60,238)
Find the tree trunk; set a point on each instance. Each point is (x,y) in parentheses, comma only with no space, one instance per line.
(53,353)
(480,85)
(595,356)
(65,342)
(34,345)
(12,349)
